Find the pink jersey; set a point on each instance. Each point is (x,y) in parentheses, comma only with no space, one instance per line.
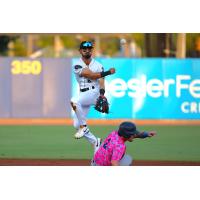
(113,148)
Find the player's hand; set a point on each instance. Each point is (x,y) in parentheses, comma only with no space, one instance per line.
(112,70)
(152,133)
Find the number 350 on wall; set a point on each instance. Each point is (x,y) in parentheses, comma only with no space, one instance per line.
(26,67)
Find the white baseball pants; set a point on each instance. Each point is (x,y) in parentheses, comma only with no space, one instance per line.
(83,103)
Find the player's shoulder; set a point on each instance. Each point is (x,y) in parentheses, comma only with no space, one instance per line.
(113,135)
(77,62)
(78,65)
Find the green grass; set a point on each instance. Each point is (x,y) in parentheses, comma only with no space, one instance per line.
(181,143)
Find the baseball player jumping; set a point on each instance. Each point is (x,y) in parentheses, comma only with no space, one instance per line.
(112,150)
(90,76)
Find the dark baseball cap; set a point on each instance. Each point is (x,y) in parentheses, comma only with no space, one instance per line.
(86,44)
(127,129)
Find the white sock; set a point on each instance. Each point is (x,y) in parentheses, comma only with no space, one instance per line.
(90,138)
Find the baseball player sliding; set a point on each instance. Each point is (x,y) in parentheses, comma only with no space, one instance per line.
(112,151)
(90,76)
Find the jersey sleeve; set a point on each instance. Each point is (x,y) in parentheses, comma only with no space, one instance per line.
(77,69)
(100,68)
(118,152)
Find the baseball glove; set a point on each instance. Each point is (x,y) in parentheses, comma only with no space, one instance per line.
(102,104)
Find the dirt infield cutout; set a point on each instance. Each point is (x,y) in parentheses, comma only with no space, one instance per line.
(51,162)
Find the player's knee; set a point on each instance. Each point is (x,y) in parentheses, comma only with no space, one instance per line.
(126,160)
(73,105)
(130,160)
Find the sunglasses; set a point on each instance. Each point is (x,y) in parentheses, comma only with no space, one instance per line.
(87,45)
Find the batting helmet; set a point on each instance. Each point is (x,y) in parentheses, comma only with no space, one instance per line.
(127,129)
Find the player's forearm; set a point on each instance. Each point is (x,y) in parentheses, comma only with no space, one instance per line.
(96,75)
(146,134)
(102,83)
(143,135)
(93,76)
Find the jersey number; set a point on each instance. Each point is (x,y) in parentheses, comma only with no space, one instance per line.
(89,81)
(106,144)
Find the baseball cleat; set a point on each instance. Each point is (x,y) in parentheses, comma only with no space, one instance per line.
(81,132)
(97,144)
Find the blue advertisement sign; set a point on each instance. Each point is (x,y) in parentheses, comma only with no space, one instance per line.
(151,88)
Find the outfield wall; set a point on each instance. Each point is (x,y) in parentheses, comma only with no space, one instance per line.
(141,88)
(35,88)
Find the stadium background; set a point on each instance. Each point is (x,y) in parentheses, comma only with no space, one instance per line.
(36,87)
